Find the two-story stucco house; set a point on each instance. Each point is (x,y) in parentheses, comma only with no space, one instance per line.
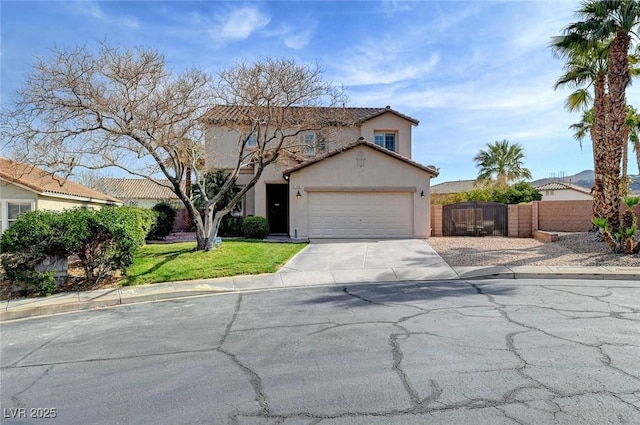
(353,179)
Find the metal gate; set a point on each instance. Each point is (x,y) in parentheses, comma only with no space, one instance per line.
(474,219)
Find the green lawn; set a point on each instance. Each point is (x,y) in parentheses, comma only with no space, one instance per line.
(171,262)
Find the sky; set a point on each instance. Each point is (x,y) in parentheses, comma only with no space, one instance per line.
(472,72)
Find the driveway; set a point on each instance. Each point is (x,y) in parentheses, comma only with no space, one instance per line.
(367,261)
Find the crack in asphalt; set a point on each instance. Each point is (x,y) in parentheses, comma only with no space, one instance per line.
(426,405)
(346,291)
(254,379)
(16,397)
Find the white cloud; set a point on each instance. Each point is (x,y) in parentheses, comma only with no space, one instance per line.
(92,8)
(239,24)
(384,61)
(298,39)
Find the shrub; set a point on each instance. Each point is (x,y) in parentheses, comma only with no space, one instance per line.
(164,223)
(32,238)
(104,240)
(255,227)
(230,226)
(115,236)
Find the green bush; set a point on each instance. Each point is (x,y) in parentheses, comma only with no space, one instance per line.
(230,226)
(165,222)
(104,240)
(521,192)
(255,227)
(32,238)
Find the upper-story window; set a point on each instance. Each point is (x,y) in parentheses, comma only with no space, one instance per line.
(314,144)
(386,140)
(252,140)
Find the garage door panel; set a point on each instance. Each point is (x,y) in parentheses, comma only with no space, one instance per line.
(360,214)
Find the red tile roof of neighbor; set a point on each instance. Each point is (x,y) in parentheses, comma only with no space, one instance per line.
(136,188)
(362,141)
(343,116)
(45,183)
(563,186)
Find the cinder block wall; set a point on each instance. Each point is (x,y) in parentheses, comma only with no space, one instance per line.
(436,220)
(551,216)
(520,217)
(564,216)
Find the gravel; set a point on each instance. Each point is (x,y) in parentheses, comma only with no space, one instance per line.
(572,249)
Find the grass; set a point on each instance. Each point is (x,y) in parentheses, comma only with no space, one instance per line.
(178,261)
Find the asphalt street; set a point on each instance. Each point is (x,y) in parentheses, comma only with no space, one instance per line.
(450,352)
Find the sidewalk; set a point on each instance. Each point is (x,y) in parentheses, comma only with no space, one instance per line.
(60,303)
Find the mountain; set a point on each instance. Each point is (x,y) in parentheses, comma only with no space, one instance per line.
(585,179)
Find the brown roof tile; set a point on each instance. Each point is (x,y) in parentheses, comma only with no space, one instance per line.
(221,114)
(563,186)
(46,183)
(136,188)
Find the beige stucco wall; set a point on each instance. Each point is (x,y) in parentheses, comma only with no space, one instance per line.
(565,195)
(391,123)
(380,172)
(10,193)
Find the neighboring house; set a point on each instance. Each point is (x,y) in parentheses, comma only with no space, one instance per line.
(144,193)
(25,188)
(444,193)
(560,191)
(138,192)
(354,179)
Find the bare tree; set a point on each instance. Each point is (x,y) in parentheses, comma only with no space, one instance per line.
(123,108)
(273,102)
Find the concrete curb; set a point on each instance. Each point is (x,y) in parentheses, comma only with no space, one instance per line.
(88,300)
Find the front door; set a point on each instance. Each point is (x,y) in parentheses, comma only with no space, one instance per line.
(278,208)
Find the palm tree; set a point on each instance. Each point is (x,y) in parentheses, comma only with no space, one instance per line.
(502,160)
(587,66)
(612,21)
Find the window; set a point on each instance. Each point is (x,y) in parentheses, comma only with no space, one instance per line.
(314,144)
(386,140)
(252,140)
(15,209)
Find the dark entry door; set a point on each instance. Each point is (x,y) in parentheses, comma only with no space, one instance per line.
(278,208)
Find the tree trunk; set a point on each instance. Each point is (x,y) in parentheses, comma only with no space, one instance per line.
(215,226)
(188,222)
(624,180)
(598,139)
(618,81)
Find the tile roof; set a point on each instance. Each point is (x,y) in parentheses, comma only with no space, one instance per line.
(453,187)
(42,182)
(221,114)
(361,141)
(555,185)
(136,188)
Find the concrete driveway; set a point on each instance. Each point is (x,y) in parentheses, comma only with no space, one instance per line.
(367,261)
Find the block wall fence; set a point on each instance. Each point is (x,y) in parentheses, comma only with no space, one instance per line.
(551,216)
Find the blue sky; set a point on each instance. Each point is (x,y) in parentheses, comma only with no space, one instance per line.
(470,72)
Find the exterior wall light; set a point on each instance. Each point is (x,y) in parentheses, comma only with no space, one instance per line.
(298,195)
(422,194)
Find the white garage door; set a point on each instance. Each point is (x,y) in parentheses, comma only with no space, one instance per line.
(360,214)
